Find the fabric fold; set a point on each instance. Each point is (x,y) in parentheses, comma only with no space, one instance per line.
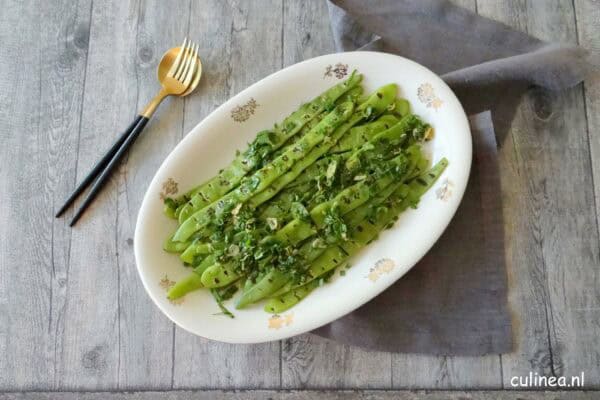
(454,301)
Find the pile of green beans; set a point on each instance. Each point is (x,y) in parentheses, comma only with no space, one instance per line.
(302,198)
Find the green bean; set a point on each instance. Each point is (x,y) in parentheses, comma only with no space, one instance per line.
(170,208)
(347,200)
(195,249)
(303,198)
(360,192)
(397,134)
(265,143)
(219,275)
(317,169)
(263,288)
(229,177)
(305,129)
(363,133)
(351,95)
(295,231)
(401,107)
(287,300)
(425,181)
(369,229)
(376,104)
(330,258)
(173,206)
(291,234)
(378,139)
(262,178)
(310,252)
(296,170)
(408,196)
(334,255)
(357,194)
(191,282)
(384,189)
(171,246)
(184,286)
(299,230)
(364,229)
(279,207)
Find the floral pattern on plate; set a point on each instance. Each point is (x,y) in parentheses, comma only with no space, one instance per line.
(245,111)
(169,187)
(338,70)
(444,191)
(165,283)
(277,321)
(381,267)
(427,96)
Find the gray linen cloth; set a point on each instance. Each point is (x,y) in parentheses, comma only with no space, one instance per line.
(454,301)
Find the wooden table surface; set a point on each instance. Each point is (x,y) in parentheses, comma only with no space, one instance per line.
(73,313)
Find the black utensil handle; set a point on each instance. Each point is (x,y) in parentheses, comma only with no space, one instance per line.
(99,166)
(114,162)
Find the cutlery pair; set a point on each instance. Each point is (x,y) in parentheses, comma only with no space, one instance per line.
(179,73)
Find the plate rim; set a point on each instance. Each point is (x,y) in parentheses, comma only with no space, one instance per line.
(280,335)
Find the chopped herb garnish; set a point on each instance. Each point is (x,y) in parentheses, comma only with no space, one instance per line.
(363,175)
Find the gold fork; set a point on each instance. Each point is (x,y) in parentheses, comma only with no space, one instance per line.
(182,77)
(179,78)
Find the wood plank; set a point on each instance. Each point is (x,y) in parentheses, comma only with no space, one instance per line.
(239,44)
(468,4)
(417,371)
(549,211)
(309,360)
(301,395)
(88,352)
(587,14)
(42,70)
(306,31)
(522,254)
(146,335)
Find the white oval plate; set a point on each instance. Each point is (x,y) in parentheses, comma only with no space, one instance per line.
(212,144)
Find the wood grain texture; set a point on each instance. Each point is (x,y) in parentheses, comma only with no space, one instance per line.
(587,13)
(468,4)
(90,331)
(552,247)
(240,43)
(416,371)
(309,361)
(42,65)
(306,31)
(312,394)
(146,335)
